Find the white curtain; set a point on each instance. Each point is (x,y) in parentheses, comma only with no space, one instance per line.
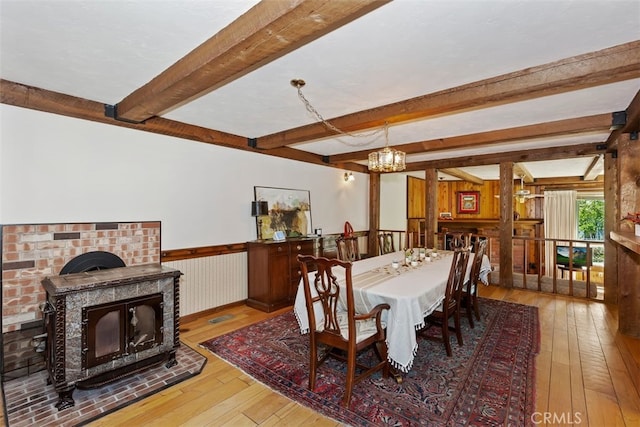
(560,221)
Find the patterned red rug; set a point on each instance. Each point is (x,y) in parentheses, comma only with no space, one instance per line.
(488,381)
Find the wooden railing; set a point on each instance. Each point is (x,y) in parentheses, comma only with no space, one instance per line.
(573,258)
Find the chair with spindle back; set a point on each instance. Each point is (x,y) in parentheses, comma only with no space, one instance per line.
(348,249)
(385,243)
(344,331)
(470,289)
(451,305)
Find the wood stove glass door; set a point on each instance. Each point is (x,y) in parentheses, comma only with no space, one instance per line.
(145,323)
(104,337)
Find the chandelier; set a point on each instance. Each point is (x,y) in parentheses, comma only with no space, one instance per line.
(386,160)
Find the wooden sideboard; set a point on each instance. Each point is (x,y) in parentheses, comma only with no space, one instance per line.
(274,271)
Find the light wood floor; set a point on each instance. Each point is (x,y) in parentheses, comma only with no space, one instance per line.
(584,374)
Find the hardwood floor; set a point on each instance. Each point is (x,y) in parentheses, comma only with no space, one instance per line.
(587,374)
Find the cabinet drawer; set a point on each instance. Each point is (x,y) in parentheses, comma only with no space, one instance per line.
(279,249)
(303,248)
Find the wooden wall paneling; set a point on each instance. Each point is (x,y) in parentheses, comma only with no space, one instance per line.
(444,199)
(493,191)
(415,197)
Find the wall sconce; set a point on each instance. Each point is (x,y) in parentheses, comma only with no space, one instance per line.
(258,209)
(348,177)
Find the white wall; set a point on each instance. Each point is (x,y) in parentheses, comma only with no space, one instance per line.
(393,201)
(60,169)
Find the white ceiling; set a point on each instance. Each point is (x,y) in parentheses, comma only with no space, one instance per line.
(103,50)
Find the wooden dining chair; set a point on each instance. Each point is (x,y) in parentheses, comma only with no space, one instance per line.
(348,249)
(470,289)
(451,304)
(460,241)
(346,333)
(385,243)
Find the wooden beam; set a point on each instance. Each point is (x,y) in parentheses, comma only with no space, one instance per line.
(431,207)
(374,214)
(506,225)
(612,217)
(269,30)
(628,260)
(458,173)
(609,65)
(554,153)
(521,171)
(596,123)
(595,169)
(632,125)
(19,95)
(569,183)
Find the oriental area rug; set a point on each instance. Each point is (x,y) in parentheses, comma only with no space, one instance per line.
(30,401)
(488,381)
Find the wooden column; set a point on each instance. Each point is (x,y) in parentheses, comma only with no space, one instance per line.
(506,224)
(611,219)
(628,260)
(374,213)
(431,207)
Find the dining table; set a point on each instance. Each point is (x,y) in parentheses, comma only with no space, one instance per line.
(413,290)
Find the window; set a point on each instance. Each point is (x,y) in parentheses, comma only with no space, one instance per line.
(590,219)
(591,224)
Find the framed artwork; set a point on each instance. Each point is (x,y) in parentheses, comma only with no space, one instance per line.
(289,212)
(468,202)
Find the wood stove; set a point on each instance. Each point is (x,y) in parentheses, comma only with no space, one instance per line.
(105,324)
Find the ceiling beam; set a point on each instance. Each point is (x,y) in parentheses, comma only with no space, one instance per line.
(566,180)
(459,173)
(269,30)
(609,65)
(551,153)
(521,171)
(595,169)
(23,96)
(596,123)
(569,183)
(632,124)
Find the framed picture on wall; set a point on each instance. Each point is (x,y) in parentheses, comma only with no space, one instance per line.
(289,213)
(468,202)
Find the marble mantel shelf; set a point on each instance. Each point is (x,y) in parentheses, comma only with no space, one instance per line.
(626,239)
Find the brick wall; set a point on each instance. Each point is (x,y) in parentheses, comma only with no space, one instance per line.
(32,252)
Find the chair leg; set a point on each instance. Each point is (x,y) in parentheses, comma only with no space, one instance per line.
(313,365)
(351,374)
(469,308)
(445,336)
(456,320)
(475,306)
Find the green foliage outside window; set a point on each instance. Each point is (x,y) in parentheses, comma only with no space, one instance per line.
(591,219)
(591,225)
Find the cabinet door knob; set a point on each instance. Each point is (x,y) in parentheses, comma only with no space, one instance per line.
(298,247)
(279,248)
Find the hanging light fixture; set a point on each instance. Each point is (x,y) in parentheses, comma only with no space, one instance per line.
(386,160)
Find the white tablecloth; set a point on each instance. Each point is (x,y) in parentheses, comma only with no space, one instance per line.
(412,295)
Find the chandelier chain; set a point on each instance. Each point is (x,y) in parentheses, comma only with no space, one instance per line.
(386,160)
(339,131)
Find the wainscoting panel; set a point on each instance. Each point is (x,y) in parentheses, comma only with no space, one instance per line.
(210,282)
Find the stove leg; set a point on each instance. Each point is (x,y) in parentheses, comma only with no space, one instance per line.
(65,399)
(172,360)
